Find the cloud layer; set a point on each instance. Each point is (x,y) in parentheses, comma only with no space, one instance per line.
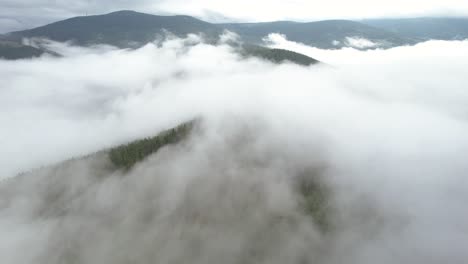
(385,129)
(21,14)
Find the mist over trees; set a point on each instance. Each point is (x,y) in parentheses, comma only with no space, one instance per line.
(359,159)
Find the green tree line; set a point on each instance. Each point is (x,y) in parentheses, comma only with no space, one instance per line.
(126,156)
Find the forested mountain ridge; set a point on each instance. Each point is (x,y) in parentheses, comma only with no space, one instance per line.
(313,195)
(322,34)
(121,29)
(424,28)
(11,50)
(129,29)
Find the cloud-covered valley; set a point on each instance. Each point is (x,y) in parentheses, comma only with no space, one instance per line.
(385,130)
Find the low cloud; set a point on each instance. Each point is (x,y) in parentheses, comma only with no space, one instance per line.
(385,129)
(360,43)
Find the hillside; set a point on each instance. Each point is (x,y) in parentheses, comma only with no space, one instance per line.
(13,51)
(313,196)
(132,29)
(424,28)
(323,34)
(129,29)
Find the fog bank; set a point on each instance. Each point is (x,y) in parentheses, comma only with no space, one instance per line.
(385,130)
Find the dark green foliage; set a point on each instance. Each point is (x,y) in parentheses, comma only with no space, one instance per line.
(126,156)
(319,34)
(315,201)
(277,55)
(11,52)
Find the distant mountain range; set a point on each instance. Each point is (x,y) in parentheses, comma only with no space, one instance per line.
(122,29)
(328,34)
(129,29)
(424,28)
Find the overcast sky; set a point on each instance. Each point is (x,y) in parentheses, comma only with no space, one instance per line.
(21,14)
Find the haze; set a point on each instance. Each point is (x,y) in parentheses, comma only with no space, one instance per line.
(358,156)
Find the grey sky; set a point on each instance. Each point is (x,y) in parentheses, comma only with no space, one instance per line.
(20,14)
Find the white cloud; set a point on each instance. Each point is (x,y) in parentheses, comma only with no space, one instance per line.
(93,91)
(360,43)
(389,126)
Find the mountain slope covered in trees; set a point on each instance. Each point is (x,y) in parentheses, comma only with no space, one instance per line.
(133,29)
(321,34)
(121,29)
(13,51)
(129,29)
(425,28)
(313,195)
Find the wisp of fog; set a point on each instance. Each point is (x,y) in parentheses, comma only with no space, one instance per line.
(385,130)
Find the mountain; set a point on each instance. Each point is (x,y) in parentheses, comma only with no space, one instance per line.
(122,29)
(132,29)
(157,199)
(323,34)
(129,29)
(313,195)
(424,28)
(12,51)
